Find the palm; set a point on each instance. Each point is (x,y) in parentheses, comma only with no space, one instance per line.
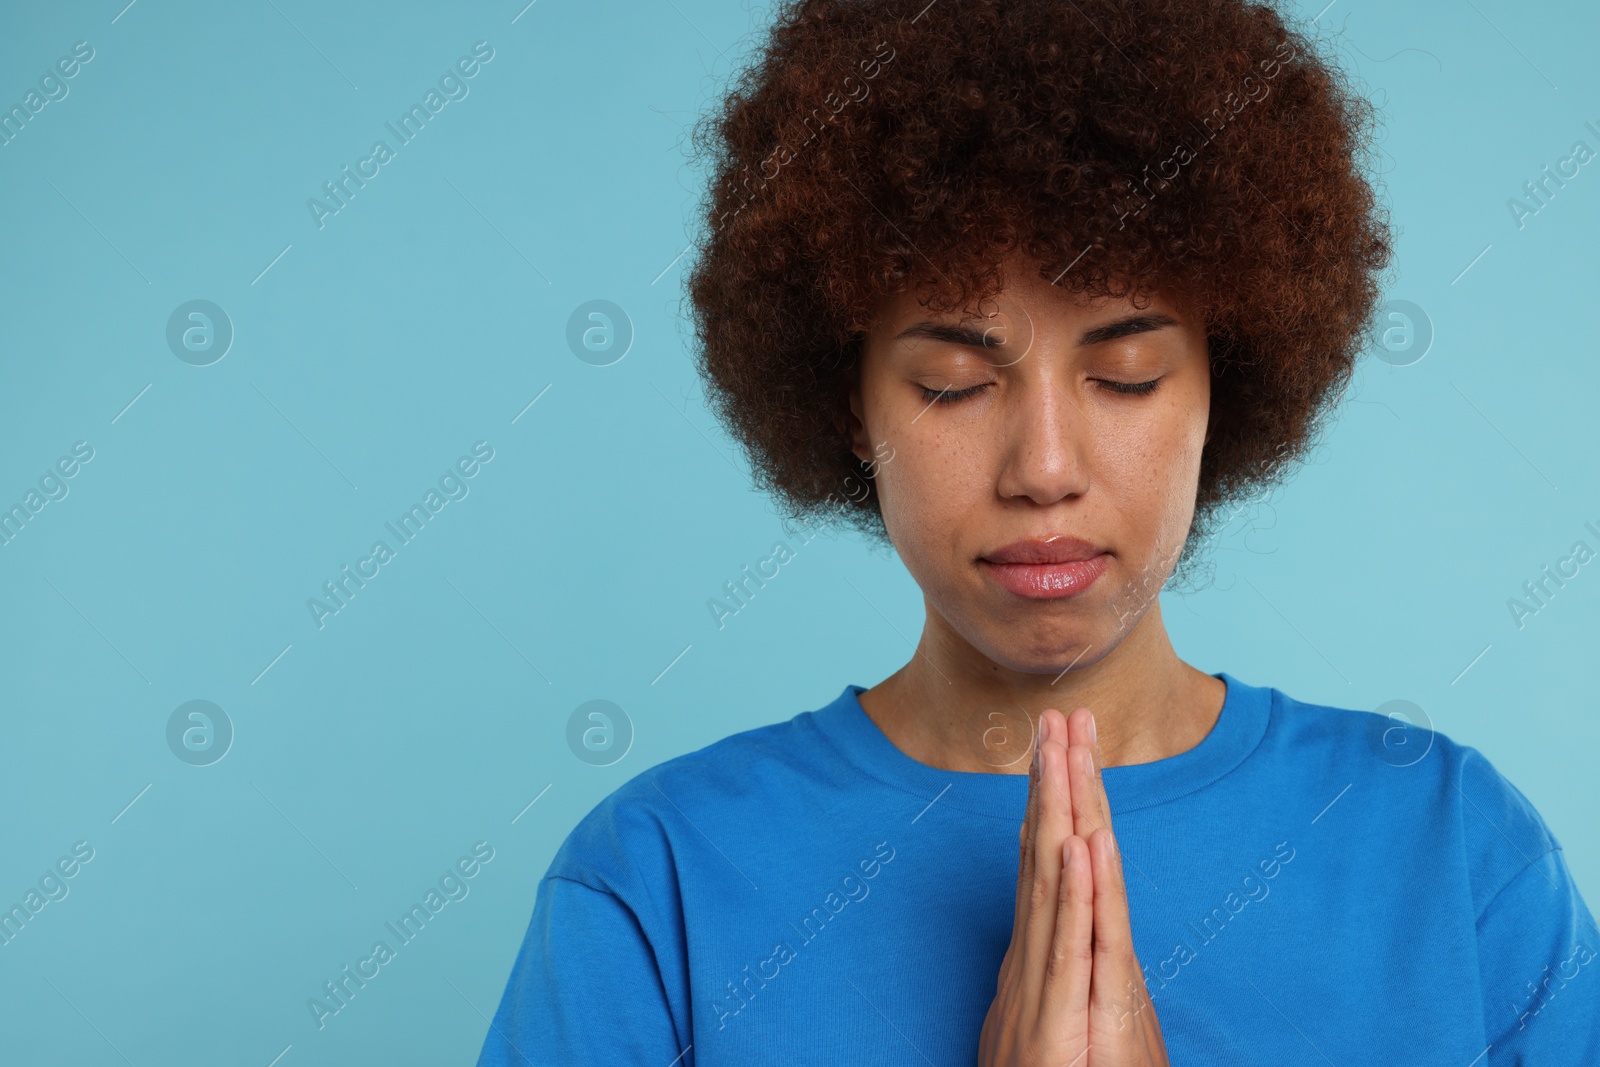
(1070,991)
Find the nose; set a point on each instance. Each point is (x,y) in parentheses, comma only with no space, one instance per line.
(1044,443)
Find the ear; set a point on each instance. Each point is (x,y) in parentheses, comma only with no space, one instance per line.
(855,423)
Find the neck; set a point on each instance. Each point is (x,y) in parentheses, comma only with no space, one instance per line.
(954,708)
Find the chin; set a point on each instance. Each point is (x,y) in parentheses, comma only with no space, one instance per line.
(1040,648)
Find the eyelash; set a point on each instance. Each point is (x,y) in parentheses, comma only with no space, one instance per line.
(1133,388)
(945,396)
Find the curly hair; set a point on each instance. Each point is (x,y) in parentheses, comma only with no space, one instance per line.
(1198,147)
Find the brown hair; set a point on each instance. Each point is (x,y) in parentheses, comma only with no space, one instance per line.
(1193,146)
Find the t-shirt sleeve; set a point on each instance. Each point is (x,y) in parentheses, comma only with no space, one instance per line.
(585,988)
(1538,946)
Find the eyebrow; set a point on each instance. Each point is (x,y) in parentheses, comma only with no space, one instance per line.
(972,336)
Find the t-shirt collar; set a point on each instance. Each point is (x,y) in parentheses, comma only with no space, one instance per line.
(1239,728)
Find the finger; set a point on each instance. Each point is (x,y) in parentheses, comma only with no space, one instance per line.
(1099,778)
(1097,805)
(1113,931)
(1068,982)
(1051,727)
(1054,725)
(1052,826)
(1025,841)
(1086,814)
(1078,732)
(1118,989)
(1019,918)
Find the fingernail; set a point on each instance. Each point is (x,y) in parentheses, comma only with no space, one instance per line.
(1044,729)
(1093,737)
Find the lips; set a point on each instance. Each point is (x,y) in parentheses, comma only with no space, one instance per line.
(1059,549)
(1045,569)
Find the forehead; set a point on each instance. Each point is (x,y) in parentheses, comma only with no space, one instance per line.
(1026,299)
(1025,290)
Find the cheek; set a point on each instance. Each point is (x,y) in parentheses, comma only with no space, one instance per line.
(1179,469)
(928,489)
(1161,450)
(1158,471)
(907,492)
(1156,476)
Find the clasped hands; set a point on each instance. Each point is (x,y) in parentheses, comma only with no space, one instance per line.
(1070,992)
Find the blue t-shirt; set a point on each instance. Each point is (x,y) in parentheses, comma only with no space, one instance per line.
(1308,885)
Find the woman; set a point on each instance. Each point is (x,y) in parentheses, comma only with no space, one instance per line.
(1039,293)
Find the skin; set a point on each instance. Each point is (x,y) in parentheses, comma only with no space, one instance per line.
(1070,990)
(1046,445)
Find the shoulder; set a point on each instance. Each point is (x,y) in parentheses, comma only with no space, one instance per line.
(1404,776)
(713,797)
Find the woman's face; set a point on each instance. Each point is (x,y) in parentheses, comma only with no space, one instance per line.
(999,440)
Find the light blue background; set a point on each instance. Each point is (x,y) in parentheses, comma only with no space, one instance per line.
(425,316)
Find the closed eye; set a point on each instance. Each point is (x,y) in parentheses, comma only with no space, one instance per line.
(948,396)
(1131,388)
